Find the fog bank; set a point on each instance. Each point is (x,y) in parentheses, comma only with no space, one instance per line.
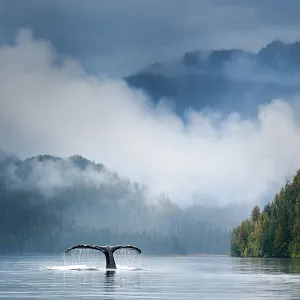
(50,105)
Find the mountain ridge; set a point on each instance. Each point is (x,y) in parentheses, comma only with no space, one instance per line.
(48,203)
(226,80)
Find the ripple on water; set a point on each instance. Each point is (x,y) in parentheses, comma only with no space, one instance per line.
(50,277)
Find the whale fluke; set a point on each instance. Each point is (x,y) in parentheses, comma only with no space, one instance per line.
(94,247)
(115,248)
(108,251)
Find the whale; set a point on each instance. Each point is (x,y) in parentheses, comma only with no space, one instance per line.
(108,251)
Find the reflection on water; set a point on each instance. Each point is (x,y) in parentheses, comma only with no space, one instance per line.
(266,265)
(110,273)
(55,277)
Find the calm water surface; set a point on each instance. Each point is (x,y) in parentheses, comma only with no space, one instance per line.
(143,277)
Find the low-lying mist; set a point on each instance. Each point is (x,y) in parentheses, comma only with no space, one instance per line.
(49,203)
(48,104)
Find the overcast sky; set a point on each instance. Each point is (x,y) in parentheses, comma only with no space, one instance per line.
(117,37)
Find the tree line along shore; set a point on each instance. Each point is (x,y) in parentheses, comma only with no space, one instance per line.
(274,231)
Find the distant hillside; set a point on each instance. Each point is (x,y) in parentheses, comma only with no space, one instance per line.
(49,203)
(227,80)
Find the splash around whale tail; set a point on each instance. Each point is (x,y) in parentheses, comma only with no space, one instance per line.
(108,251)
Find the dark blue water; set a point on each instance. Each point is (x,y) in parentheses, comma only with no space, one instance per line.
(206,277)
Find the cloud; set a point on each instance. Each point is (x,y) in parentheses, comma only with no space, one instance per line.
(51,176)
(50,105)
(118,37)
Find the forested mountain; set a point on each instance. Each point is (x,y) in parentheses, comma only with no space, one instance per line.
(274,232)
(49,203)
(226,80)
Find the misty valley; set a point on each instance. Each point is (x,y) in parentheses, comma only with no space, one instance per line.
(149,149)
(49,203)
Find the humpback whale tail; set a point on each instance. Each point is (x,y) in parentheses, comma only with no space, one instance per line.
(108,251)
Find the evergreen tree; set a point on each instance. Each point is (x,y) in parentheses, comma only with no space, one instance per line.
(274,232)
